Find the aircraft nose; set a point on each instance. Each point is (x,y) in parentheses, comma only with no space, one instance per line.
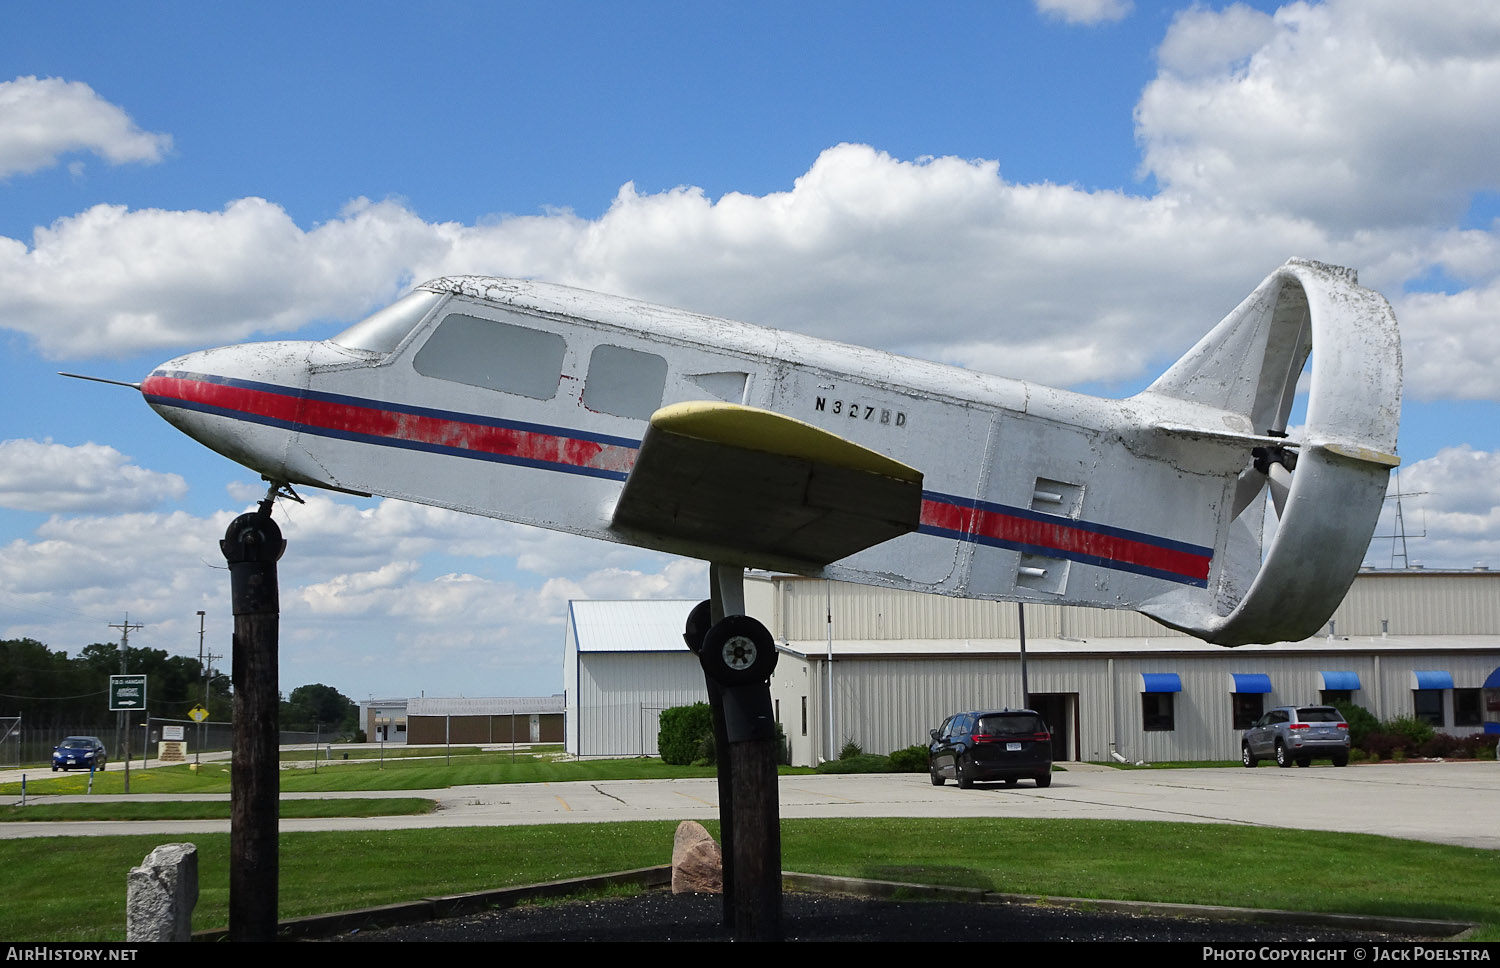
(241,401)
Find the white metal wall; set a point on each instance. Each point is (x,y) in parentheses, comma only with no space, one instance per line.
(887,703)
(797,609)
(620,695)
(1421,603)
(1407,602)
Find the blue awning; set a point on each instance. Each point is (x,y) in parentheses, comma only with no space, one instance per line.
(1250,682)
(1346,681)
(1160,682)
(1493,682)
(1431,679)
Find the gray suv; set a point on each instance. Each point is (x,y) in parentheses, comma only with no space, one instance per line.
(1297,734)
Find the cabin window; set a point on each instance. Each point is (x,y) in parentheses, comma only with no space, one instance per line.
(383,331)
(494,355)
(626,383)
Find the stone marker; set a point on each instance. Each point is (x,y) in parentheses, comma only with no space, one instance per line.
(697,863)
(161,894)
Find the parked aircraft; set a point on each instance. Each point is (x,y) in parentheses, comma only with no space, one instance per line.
(752,447)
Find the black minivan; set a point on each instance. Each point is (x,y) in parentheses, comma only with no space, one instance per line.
(1007,744)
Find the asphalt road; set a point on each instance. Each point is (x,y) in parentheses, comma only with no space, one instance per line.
(1450,803)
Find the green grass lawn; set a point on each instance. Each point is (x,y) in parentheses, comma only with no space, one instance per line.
(213,810)
(339,752)
(399,774)
(73,889)
(1181,765)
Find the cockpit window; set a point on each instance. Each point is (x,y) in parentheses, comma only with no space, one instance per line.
(494,355)
(383,331)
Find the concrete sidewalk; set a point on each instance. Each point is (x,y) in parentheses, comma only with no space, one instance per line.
(1451,803)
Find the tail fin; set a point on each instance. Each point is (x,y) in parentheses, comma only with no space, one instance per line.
(1249,365)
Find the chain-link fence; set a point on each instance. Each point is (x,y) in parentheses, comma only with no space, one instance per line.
(22,745)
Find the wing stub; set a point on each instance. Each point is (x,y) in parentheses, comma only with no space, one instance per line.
(735,483)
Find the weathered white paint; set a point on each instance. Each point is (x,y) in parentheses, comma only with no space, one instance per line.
(1030,493)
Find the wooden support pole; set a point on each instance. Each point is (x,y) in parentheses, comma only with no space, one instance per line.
(252,545)
(738,657)
(724,772)
(757,838)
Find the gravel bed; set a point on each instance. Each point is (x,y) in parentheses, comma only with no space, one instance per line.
(661,916)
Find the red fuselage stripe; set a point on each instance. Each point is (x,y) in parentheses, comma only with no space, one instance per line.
(338,418)
(1062,537)
(342,418)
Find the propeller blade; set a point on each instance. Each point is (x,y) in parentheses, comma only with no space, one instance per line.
(1247,488)
(1281,485)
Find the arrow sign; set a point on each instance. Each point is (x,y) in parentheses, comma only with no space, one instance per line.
(127,693)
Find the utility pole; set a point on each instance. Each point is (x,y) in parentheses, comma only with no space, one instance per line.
(203,670)
(122,729)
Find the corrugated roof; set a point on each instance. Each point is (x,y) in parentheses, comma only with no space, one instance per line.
(484,706)
(629,626)
(1323,645)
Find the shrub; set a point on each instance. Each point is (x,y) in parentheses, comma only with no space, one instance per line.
(859,763)
(1412,729)
(913,759)
(1481,746)
(686,734)
(1361,721)
(1441,745)
(851,750)
(1381,746)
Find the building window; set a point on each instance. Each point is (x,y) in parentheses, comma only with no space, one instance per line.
(1427,705)
(804,715)
(1247,708)
(1157,712)
(1468,709)
(1336,697)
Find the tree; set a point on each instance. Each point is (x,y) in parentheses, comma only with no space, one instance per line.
(316,703)
(174,682)
(45,687)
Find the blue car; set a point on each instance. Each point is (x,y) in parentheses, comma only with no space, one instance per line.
(79,753)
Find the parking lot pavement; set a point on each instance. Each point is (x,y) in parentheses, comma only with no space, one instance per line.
(1451,803)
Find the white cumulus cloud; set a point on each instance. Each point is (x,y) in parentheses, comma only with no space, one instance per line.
(127,281)
(940,257)
(1085,11)
(43,119)
(1451,509)
(1355,113)
(39,475)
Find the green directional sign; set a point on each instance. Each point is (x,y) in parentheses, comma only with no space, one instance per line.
(127,693)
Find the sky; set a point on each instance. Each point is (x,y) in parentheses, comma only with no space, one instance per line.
(1065,191)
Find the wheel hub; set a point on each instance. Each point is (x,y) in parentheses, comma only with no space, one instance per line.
(739,652)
